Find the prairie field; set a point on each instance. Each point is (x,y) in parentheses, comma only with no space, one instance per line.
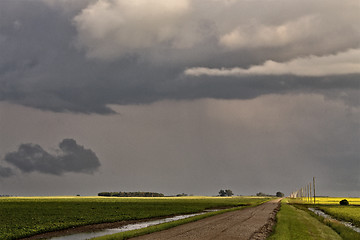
(336,200)
(27,216)
(326,200)
(332,207)
(346,213)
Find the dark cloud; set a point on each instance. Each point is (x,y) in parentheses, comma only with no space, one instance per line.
(70,158)
(6,172)
(42,67)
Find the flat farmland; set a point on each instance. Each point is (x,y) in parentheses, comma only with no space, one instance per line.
(28,216)
(329,205)
(336,200)
(346,213)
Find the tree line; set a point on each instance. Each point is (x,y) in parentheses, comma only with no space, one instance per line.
(278,194)
(130,194)
(227,192)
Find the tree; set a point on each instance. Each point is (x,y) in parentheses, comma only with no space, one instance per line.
(261,194)
(279,194)
(182,195)
(228,193)
(222,193)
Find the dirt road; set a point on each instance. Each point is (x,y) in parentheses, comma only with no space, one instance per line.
(249,223)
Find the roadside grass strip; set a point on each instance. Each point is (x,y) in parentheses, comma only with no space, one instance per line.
(332,207)
(24,217)
(296,224)
(345,232)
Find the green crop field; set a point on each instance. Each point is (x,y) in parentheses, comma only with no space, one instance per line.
(22,217)
(346,213)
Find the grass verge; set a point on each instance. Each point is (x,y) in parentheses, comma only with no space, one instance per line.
(296,224)
(345,232)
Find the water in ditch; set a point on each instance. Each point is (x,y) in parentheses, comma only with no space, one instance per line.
(324,215)
(129,227)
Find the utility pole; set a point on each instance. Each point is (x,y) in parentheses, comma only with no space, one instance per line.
(307,192)
(314,190)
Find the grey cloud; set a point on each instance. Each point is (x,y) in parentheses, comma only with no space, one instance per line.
(41,66)
(154,23)
(70,158)
(6,172)
(238,25)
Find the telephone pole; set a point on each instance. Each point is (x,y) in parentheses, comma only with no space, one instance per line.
(314,190)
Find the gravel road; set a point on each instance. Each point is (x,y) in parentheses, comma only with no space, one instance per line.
(250,223)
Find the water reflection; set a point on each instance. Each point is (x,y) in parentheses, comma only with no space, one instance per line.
(324,215)
(134,226)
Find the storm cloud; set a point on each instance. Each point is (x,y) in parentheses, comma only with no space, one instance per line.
(82,56)
(6,172)
(70,157)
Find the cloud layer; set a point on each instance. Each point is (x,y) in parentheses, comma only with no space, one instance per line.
(339,64)
(84,55)
(6,172)
(70,157)
(111,29)
(258,35)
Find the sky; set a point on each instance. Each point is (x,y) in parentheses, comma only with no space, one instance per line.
(185,96)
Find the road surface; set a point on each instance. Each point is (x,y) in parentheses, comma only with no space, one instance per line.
(250,223)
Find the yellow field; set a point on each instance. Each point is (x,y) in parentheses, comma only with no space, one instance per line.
(332,200)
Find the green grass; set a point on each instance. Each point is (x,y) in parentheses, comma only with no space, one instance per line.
(331,206)
(346,213)
(23,217)
(296,224)
(345,232)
